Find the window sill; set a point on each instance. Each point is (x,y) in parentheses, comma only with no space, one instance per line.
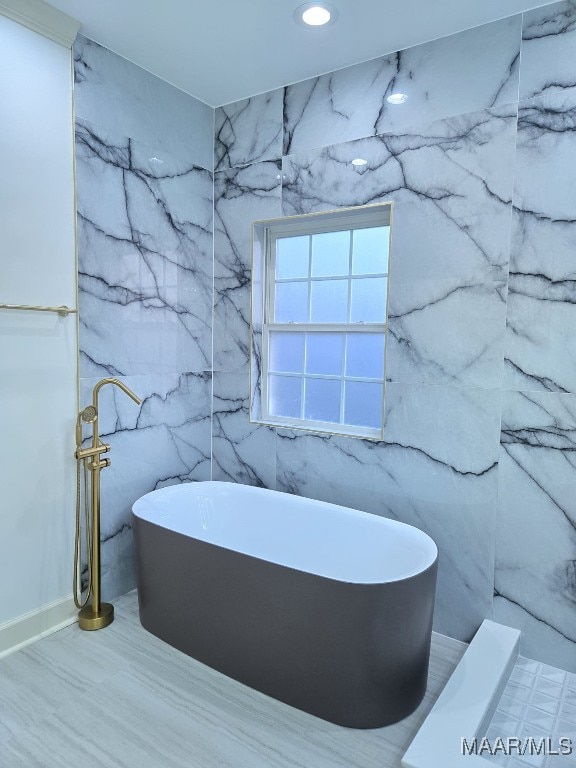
(321,428)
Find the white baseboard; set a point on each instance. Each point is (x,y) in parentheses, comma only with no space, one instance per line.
(37,624)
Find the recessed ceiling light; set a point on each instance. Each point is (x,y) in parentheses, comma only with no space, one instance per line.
(396,98)
(315,14)
(359,161)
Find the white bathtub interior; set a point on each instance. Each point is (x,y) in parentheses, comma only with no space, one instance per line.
(313,536)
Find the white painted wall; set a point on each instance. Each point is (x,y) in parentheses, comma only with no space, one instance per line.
(38,351)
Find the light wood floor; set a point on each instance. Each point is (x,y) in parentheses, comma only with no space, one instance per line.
(121,698)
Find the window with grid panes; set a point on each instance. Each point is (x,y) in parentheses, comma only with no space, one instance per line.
(324,321)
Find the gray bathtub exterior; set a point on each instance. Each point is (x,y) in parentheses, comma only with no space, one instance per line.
(353,654)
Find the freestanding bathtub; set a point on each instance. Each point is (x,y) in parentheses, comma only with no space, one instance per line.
(325,608)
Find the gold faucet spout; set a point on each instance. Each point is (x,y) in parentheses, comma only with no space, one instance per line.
(117,383)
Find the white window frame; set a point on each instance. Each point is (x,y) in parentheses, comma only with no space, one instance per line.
(333,221)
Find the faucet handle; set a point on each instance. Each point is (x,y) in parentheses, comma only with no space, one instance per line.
(86,453)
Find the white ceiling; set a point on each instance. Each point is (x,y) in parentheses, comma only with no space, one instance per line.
(225,50)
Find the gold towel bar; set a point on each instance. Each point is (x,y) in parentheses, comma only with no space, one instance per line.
(63,311)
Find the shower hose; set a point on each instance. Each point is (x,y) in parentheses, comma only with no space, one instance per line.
(77,542)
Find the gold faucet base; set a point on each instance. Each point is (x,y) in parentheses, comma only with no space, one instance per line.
(89,619)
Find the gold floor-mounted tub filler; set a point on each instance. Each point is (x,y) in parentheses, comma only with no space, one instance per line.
(93,615)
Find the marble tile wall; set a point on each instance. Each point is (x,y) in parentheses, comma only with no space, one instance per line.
(145,243)
(479,447)
(117,95)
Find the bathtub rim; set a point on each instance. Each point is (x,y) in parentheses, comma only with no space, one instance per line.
(431,559)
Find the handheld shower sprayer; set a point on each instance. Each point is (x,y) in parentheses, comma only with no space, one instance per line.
(88,414)
(96,615)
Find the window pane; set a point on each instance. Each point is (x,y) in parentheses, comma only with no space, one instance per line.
(363,404)
(331,254)
(330,301)
(322,401)
(365,355)
(369,300)
(324,352)
(285,396)
(291,302)
(286,352)
(370,251)
(292,256)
